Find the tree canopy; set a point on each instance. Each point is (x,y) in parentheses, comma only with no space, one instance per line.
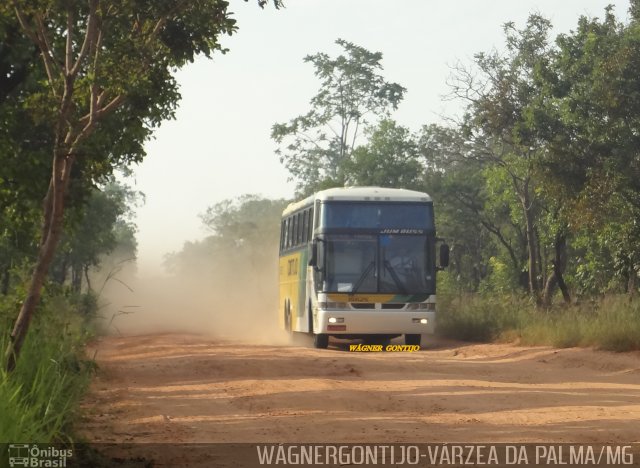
(84,84)
(316,146)
(536,186)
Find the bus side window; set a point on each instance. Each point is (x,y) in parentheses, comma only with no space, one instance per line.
(301,228)
(305,225)
(316,214)
(286,234)
(290,232)
(310,227)
(282,233)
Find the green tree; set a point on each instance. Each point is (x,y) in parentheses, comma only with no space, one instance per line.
(23,168)
(17,55)
(109,82)
(315,147)
(499,117)
(390,158)
(103,224)
(474,214)
(244,238)
(588,116)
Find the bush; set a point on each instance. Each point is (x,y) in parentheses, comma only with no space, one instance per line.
(473,317)
(611,323)
(38,401)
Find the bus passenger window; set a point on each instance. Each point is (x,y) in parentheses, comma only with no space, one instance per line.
(289,229)
(299,236)
(305,224)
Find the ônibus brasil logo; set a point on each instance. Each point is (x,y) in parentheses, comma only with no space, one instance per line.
(31,455)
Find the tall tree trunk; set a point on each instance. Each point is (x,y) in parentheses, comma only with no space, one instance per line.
(559,266)
(549,289)
(52,230)
(527,209)
(6,278)
(61,275)
(70,131)
(86,277)
(540,256)
(76,278)
(561,284)
(631,284)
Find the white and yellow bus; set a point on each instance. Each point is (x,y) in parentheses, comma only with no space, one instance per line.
(360,263)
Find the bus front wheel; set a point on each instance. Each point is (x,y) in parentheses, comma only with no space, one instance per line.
(320,341)
(412,340)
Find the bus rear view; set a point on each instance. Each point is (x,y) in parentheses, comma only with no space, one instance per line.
(371,266)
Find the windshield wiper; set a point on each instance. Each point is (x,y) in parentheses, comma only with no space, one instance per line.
(364,275)
(394,275)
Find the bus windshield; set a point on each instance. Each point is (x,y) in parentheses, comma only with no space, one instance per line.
(372,215)
(397,264)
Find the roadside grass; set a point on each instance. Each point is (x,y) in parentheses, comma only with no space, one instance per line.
(610,323)
(471,317)
(39,400)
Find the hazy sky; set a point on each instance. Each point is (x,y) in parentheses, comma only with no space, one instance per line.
(219,147)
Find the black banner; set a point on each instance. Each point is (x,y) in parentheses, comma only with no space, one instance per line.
(318,454)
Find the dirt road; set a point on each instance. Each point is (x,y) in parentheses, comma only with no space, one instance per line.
(186,388)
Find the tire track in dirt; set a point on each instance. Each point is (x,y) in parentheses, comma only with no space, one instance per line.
(188,388)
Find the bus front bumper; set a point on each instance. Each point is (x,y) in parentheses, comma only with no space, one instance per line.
(368,322)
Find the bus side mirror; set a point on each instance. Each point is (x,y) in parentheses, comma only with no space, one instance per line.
(313,260)
(444,255)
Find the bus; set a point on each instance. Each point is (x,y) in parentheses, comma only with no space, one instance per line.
(360,263)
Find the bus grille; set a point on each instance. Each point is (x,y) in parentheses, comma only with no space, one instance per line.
(371,305)
(363,305)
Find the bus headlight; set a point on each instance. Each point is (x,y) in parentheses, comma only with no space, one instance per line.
(336,320)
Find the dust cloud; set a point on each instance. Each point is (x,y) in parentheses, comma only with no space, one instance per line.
(228,295)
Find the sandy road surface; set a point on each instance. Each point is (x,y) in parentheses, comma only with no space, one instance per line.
(186,388)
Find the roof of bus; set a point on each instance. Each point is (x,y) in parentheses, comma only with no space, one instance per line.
(360,194)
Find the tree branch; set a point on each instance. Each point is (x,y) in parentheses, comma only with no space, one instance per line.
(89,37)
(96,114)
(34,36)
(163,20)
(47,50)
(69,44)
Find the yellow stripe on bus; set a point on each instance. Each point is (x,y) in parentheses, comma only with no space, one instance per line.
(360,297)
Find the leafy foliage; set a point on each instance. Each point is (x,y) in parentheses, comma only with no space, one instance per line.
(536,188)
(245,233)
(390,158)
(101,225)
(103,81)
(38,402)
(315,147)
